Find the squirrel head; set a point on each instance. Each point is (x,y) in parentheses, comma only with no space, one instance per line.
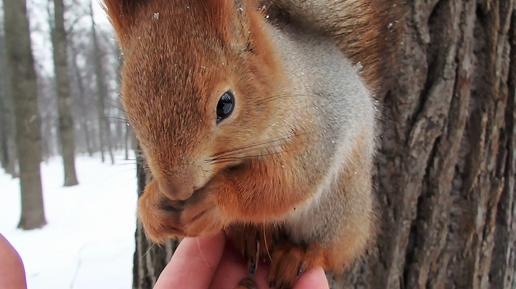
(198,77)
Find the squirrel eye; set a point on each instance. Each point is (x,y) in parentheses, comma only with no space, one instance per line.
(225,106)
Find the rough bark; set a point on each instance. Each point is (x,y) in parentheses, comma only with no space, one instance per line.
(445,168)
(25,99)
(65,120)
(503,260)
(102,92)
(446,155)
(149,260)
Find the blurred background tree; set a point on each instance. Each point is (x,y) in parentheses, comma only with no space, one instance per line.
(61,71)
(24,95)
(61,91)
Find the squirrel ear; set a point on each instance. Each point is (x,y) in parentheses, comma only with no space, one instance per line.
(121,14)
(243,26)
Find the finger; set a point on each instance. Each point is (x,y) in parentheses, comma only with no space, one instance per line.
(12,274)
(260,276)
(193,263)
(231,270)
(312,279)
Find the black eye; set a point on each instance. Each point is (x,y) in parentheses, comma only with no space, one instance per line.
(225,106)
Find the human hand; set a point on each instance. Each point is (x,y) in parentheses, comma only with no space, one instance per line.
(212,263)
(12,274)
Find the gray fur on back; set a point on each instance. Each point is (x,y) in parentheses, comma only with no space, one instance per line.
(341,107)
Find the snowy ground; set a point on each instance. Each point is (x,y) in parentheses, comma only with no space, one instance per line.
(89,239)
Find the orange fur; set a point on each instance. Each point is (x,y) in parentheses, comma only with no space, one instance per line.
(372,39)
(246,174)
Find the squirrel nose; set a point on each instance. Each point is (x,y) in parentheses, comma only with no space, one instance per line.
(176,190)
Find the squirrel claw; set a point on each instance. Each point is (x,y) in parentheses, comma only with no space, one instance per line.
(290,261)
(255,242)
(246,283)
(300,270)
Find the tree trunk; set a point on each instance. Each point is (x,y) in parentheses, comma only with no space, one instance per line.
(7,150)
(7,133)
(64,109)
(121,124)
(445,168)
(446,155)
(503,260)
(85,129)
(48,144)
(128,141)
(149,260)
(127,130)
(25,100)
(104,127)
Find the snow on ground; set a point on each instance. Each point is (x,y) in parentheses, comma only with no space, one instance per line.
(89,239)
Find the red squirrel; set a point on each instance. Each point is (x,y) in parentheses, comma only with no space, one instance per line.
(257,118)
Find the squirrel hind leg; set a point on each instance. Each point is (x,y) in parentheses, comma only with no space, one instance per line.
(290,261)
(255,241)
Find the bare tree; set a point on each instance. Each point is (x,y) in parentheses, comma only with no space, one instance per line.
(7,147)
(66,127)
(102,91)
(7,133)
(128,135)
(90,80)
(47,103)
(25,99)
(84,124)
(446,164)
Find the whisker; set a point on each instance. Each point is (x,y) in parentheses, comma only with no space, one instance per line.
(202,255)
(259,145)
(251,148)
(148,250)
(266,246)
(278,96)
(126,164)
(117,117)
(244,148)
(233,159)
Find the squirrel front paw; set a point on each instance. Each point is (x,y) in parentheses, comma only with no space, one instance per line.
(162,217)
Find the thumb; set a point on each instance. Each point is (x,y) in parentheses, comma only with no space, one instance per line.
(193,264)
(12,274)
(313,279)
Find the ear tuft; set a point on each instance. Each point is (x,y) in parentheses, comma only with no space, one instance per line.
(121,14)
